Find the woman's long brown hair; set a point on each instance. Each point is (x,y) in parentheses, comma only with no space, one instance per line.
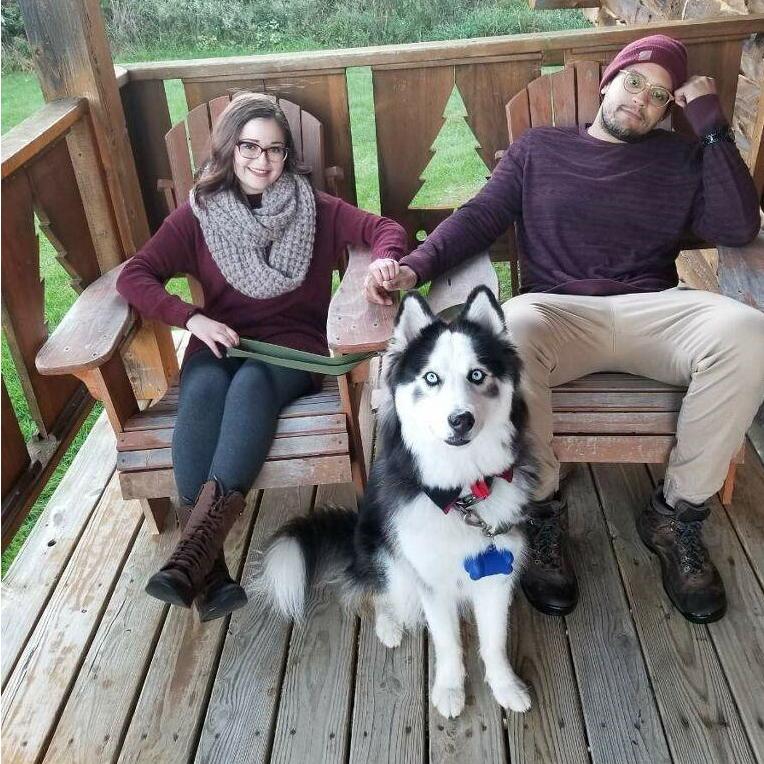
(217,173)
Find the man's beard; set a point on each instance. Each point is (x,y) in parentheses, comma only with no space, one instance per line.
(625,134)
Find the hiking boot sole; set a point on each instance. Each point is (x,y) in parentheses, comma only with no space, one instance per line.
(224,603)
(167,591)
(546,608)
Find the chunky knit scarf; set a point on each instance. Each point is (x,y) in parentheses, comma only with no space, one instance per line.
(263,252)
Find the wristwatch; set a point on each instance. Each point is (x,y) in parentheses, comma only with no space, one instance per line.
(720,134)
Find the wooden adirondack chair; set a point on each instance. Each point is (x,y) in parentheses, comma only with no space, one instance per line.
(317,437)
(598,418)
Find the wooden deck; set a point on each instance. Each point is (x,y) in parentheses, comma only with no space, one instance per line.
(93,670)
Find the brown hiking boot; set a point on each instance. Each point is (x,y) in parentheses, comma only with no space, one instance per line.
(690,579)
(182,577)
(220,594)
(549,580)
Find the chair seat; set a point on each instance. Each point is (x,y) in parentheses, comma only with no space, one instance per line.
(310,445)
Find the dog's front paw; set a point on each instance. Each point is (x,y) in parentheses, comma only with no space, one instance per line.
(389,631)
(449,701)
(511,693)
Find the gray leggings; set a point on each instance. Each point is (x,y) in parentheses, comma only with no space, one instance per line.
(227,414)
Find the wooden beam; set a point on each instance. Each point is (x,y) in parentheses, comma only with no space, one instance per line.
(21,144)
(72,56)
(552,45)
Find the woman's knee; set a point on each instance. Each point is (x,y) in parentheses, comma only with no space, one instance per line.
(204,384)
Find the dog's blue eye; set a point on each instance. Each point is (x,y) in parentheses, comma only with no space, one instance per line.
(431,378)
(476,376)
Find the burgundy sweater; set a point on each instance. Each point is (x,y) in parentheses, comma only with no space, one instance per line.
(599,218)
(296,319)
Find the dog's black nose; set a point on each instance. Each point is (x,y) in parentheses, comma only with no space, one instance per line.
(462,422)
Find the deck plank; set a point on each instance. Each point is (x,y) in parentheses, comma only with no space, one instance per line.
(389,706)
(745,513)
(49,663)
(739,636)
(621,717)
(35,572)
(242,708)
(313,718)
(477,734)
(174,695)
(696,706)
(112,674)
(553,730)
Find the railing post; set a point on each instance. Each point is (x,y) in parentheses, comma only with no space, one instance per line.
(72,56)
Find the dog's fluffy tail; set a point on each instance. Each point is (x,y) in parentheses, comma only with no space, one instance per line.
(306,552)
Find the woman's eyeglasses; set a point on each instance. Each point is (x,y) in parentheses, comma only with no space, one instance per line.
(634,82)
(252,150)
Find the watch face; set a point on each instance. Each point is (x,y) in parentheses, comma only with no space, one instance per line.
(722,134)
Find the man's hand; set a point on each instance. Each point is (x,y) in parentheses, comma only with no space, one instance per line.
(212,333)
(387,275)
(694,88)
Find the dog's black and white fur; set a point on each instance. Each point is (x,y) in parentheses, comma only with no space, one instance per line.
(454,414)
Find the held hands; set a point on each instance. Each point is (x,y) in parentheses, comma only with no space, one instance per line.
(694,88)
(385,276)
(212,333)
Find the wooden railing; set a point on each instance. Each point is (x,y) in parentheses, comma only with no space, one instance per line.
(412,84)
(50,168)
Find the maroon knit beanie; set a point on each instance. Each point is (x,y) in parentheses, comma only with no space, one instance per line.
(655,49)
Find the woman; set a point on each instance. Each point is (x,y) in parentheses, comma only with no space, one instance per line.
(263,244)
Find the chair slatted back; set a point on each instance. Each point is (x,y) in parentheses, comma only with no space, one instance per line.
(188,145)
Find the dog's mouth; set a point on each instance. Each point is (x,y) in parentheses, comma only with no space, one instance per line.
(457,440)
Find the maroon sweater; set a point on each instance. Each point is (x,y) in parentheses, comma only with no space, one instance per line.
(296,319)
(599,218)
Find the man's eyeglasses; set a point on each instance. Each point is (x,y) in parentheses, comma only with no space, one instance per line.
(634,82)
(252,150)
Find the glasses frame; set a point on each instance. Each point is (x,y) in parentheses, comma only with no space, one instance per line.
(648,86)
(262,151)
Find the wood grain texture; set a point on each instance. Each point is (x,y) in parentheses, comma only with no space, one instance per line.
(739,637)
(741,272)
(50,661)
(242,710)
(23,142)
(389,700)
(314,710)
(110,678)
(477,734)
(553,730)
(174,694)
(619,709)
(15,455)
(697,709)
(35,573)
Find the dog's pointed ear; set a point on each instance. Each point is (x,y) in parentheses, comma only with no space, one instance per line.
(414,315)
(483,309)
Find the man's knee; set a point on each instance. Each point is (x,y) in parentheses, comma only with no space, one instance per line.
(525,321)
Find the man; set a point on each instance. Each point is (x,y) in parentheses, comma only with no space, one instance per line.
(600,213)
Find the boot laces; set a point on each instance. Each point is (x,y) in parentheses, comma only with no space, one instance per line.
(692,552)
(194,547)
(545,539)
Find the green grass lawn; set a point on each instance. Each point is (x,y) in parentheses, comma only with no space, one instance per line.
(454,175)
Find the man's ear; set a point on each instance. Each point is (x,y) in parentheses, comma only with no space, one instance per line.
(413,316)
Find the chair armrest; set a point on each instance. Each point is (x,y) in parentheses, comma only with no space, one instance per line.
(451,290)
(354,324)
(741,272)
(90,332)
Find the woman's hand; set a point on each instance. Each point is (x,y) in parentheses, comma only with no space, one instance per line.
(212,333)
(385,276)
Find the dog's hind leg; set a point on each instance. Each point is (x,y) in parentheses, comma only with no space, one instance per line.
(490,599)
(442,615)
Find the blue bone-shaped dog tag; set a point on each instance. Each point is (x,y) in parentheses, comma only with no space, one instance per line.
(491,562)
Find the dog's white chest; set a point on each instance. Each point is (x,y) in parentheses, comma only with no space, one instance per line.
(436,545)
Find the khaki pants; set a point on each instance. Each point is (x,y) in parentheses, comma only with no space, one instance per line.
(712,344)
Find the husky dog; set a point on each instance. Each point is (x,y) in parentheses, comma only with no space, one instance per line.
(438,527)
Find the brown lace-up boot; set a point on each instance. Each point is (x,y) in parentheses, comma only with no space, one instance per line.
(182,577)
(549,580)
(220,593)
(690,579)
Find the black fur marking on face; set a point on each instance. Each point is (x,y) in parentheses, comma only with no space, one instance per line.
(492,391)
(408,365)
